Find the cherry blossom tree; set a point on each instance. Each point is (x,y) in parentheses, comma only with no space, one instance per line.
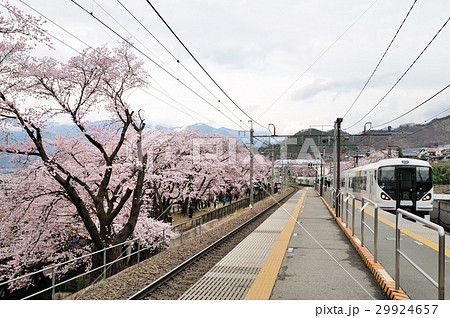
(86,175)
(367,158)
(96,182)
(186,167)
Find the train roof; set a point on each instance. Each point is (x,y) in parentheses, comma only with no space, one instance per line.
(392,162)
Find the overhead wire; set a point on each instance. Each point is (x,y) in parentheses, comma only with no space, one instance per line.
(402,76)
(382,58)
(163,93)
(407,135)
(415,132)
(414,108)
(91,47)
(175,58)
(123,27)
(317,59)
(154,62)
(200,65)
(126,30)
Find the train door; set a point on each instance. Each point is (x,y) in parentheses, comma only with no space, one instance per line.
(406,195)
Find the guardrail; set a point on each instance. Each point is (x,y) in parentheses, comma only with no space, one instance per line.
(365,202)
(231,208)
(441,255)
(344,201)
(162,239)
(347,212)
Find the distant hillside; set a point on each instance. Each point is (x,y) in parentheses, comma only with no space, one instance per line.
(242,137)
(433,134)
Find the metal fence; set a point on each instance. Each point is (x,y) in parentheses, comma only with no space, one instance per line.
(159,239)
(441,255)
(231,208)
(329,195)
(347,211)
(365,203)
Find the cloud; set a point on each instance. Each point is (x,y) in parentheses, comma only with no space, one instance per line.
(320,85)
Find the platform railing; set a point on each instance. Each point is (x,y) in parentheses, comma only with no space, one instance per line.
(130,248)
(328,194)
(440,284)
(347,211)
(365,203)
(333,197)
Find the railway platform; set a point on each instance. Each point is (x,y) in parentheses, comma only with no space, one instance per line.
(299,252)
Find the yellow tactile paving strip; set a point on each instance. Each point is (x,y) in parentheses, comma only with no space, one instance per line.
(382,276)
(261,288)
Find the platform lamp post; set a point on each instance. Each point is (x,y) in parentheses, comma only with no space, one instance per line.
(273,161)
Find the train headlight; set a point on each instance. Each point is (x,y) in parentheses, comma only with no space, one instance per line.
(427,197)
(384,196)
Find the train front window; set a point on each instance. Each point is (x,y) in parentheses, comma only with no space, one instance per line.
(386,180)
(424,181)
(423,174)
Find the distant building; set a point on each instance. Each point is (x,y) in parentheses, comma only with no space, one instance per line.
(445,150)
(411,153)
(431,153)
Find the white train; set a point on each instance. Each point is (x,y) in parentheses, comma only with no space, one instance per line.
(393,183)
(306,181)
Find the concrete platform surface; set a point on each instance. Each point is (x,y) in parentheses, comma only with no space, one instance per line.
(320,262)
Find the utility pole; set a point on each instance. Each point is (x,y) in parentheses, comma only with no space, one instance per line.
(334,155)
(273,175)
(251,163)
(389,140)
(338,164)
(273,162)
(321,173)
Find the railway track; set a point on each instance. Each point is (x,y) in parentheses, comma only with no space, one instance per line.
(174,283)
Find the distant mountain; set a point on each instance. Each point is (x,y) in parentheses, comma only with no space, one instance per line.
(241,136)
(433,134)
(204,130)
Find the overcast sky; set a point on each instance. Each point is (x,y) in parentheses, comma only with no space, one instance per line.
(291,63)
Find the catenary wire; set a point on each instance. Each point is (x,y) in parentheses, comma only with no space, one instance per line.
(123,27)
(175,58)
(407,135)
(415,132)
(382,58)
(401,77)
(317,59)
(201,66)
(414,108)
(154,62)
(91,47)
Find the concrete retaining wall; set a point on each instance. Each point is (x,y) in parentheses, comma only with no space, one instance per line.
(441,213)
